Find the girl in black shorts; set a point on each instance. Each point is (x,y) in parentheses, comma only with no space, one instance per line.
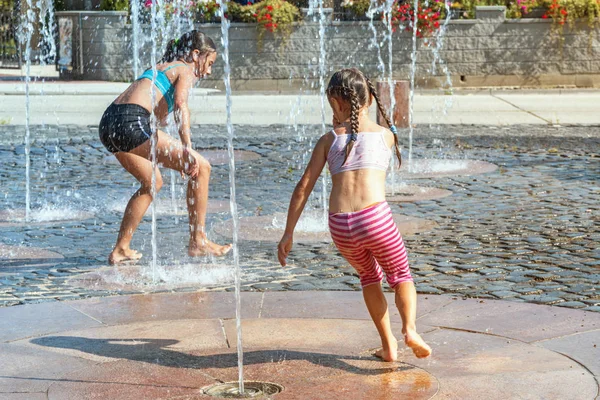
(125,130)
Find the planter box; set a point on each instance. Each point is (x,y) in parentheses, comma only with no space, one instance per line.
(477,52)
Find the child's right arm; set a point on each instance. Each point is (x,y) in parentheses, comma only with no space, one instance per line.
(300,196)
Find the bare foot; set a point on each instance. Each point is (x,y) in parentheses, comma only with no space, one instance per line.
(123,256)
(208,247)
(417,344)
(390,354)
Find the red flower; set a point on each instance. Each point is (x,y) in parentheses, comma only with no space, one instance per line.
(270,8)
(268,16)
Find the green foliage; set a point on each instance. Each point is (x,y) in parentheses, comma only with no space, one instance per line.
(114,5)
(356,7)
(59,5)
(239,13)
(274,16)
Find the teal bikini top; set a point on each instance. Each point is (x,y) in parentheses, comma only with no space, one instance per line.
(163,84)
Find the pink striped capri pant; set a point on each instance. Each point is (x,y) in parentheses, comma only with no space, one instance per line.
(372,244)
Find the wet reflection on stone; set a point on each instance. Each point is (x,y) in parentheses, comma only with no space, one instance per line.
(45,215)
(26,257)
(179,208)
(158,365)
(221,157)
(407,193)
(214,156)
(432,168)
(311,227)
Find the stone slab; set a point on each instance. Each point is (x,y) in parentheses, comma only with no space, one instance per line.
(336,305)
(24,396)
(513,320)
(473,366)
(40,319)
(157,307)
(139,341)
(27,369)
(582,347)
(317,358)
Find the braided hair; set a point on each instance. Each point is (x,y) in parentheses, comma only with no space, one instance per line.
(354,87)
(188,42)
(373,92)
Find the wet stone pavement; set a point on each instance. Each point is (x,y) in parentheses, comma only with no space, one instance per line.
(528,232)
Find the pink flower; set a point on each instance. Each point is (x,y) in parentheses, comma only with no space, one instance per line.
(148,3)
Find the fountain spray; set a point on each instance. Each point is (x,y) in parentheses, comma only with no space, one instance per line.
(413,68)
(232,202)
(27,27)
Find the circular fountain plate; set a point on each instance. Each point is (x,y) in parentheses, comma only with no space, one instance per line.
(214,156)
(220,157)
(16,217)
(140,277)
(127,370)
(164,207)
(408,193)
(261,229)
(30,257)
(432,168)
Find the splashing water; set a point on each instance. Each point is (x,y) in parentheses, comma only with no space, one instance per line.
(413,69)
(310,222)
(135,27)
(27,27)
(233,205)
(438,61)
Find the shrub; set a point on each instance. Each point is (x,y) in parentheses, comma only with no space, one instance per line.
(114,5)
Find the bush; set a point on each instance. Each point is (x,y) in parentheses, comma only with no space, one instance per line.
(114,5)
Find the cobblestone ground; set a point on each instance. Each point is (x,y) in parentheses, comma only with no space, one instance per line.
(527,232)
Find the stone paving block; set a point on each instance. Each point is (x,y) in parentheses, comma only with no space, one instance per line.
(572,304)
(504,294)
(507,319)
(542,299)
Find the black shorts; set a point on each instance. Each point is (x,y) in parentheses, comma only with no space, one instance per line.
(124,127)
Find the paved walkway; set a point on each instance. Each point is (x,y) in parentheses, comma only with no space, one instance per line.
(528,231)
(82,103)
(316,345)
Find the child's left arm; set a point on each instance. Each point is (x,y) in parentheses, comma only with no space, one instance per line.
(300,196)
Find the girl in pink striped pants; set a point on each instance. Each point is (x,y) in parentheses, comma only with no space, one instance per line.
(358,152)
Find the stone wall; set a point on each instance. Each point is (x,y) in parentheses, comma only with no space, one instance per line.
(487,51)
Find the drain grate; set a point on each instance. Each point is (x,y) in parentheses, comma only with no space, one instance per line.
(230,390)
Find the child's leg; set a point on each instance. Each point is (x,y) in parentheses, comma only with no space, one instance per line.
(169,152)
(197,202)
(388,249)
(378,309)
(406,301)
(371,275)
(141,169)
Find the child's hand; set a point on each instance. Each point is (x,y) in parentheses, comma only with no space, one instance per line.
(284,248)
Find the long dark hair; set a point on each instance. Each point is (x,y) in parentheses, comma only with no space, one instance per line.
(353,86)
(188,42)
